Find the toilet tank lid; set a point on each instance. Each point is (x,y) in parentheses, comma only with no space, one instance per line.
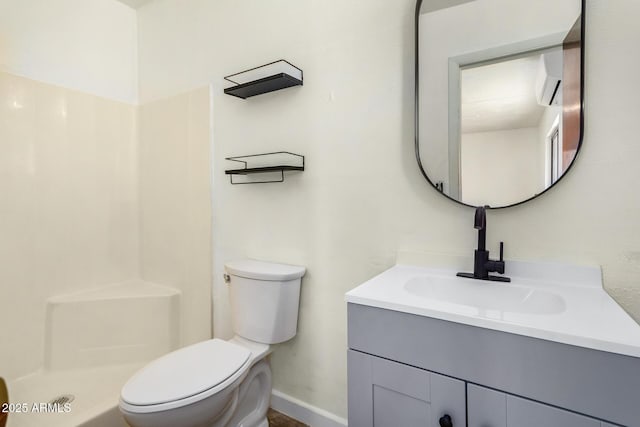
(263,270)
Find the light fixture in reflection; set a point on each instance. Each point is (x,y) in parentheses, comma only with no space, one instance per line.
(17,105)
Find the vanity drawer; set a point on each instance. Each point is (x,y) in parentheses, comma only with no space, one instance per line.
(594,383)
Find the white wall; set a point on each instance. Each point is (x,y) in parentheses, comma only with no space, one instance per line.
(86,45)
(500,168)
(362,198)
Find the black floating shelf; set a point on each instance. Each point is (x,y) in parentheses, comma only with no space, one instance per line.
(263,79)
(248,171)
(279,161)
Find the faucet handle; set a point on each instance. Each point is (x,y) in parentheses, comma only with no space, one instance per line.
(496,265)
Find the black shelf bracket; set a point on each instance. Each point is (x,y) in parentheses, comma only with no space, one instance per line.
(285,161)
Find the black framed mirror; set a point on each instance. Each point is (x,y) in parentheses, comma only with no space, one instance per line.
(499,101)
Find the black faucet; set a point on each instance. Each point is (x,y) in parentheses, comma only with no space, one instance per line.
(482,265)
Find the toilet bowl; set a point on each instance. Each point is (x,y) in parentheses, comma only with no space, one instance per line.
(219,383)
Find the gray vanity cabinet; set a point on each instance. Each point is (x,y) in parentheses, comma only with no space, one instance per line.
(407,367)
(490,408)
(383,393)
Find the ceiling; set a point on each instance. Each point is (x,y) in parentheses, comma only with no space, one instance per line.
(135,3)
(500,96)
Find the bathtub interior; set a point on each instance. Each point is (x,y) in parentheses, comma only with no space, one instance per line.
(95,341)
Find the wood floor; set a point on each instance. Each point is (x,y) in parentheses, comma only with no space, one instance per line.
(277,419)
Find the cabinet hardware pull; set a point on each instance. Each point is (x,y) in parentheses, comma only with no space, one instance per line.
(445,421)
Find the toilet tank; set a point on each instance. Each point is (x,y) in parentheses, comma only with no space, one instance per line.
(265,297)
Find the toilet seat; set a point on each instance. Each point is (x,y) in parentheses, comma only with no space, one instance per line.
(185,376)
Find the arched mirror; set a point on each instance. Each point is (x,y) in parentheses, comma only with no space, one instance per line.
(499,96)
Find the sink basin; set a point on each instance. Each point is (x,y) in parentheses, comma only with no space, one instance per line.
(483,295)
(554,302)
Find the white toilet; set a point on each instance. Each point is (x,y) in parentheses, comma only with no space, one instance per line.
(216,382)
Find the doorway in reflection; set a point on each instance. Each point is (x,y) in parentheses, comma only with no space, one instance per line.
(510,127)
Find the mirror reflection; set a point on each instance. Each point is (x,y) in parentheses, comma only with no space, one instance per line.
(499,96)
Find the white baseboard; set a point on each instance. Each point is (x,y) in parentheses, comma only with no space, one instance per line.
(302,411)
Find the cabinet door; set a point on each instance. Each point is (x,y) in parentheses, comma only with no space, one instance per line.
(383,393)
(490,408)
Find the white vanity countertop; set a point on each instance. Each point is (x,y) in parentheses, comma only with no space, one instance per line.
(568,305)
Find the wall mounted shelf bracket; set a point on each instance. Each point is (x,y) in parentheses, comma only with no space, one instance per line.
(279,161)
